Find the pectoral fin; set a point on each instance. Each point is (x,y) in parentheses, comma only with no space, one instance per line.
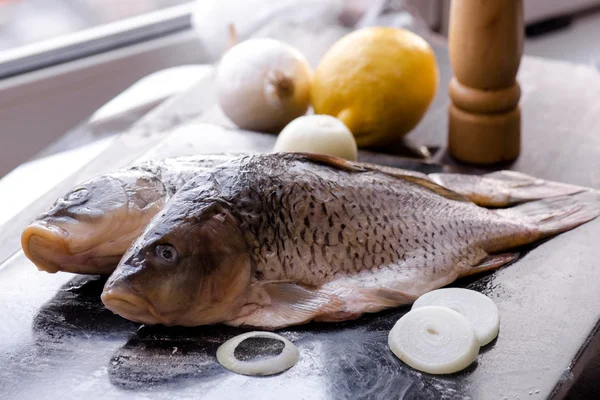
(288,303)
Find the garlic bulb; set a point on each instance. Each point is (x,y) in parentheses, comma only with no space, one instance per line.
(262,84)
(480,310)
(320,134)
(258,353)
(436,340)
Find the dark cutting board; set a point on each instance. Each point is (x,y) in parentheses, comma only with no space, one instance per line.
(57,341)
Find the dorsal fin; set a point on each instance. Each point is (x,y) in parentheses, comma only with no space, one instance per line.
(409,176)
(334,162)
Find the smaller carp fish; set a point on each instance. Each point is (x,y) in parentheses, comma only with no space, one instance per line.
(88,229)
(282,239)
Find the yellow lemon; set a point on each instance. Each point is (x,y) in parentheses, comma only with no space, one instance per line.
(378,81)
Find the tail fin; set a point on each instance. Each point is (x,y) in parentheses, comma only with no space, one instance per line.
(503,188)
(552,216)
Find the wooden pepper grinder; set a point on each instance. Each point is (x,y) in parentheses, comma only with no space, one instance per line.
(486,44)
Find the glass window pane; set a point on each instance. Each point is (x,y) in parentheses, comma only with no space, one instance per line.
(25,22)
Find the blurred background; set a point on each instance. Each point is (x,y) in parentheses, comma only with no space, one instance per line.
(26,21)
(61,60)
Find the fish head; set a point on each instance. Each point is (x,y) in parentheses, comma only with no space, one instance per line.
(186,269)
(88,229)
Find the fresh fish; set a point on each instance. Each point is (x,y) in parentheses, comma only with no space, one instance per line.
(282,239)
(88,229)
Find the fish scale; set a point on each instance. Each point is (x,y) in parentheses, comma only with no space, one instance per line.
(303,255)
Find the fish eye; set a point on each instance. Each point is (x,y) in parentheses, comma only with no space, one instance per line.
(166,253)
(77,195)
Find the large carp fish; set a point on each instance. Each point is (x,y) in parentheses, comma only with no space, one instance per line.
(281,239)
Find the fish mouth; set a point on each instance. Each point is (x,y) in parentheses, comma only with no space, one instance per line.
(130,306)
(46,245)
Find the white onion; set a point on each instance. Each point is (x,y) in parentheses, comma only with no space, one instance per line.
(480,310)
(436,340)
(320,134)
(262,84)
(266,366)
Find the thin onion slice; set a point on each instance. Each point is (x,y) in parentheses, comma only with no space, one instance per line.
(479,309)
(263,366)
(436,340)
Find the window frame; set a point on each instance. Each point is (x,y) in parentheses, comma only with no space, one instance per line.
(96,40)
